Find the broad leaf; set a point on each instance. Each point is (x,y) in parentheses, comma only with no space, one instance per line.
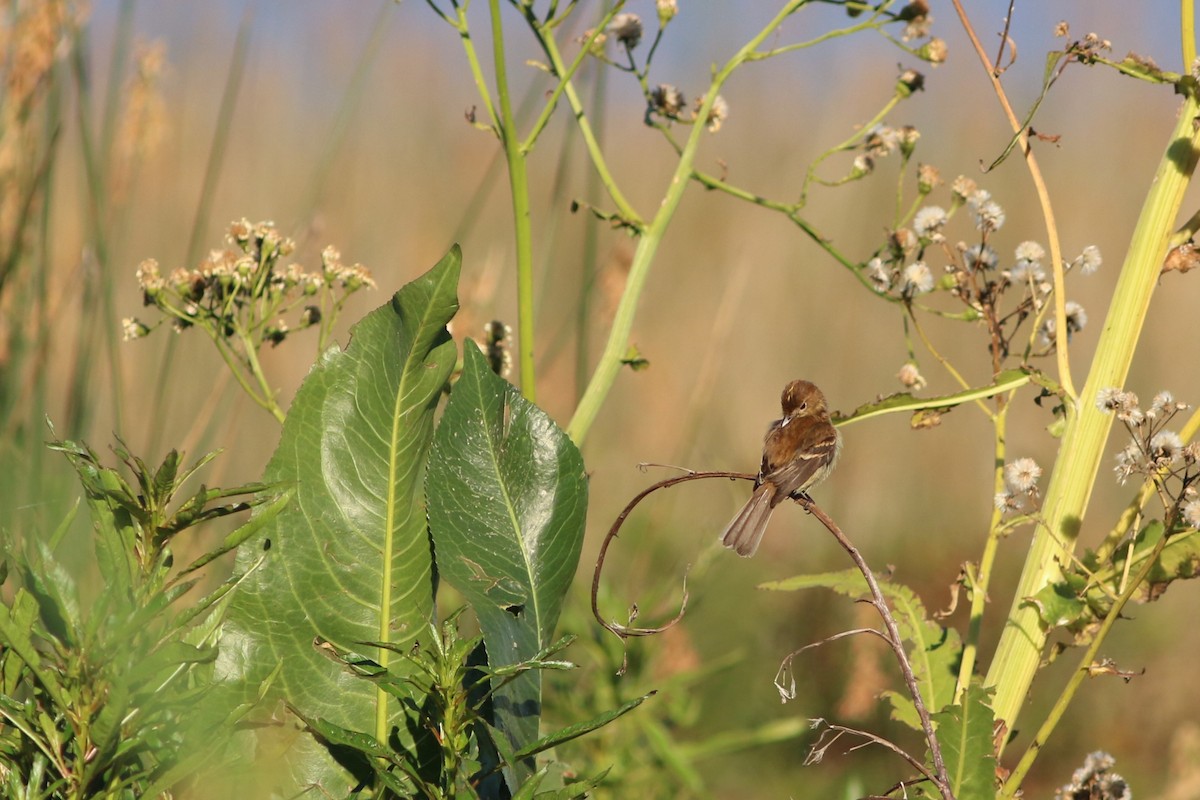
(349,557)
(507,505)
(964,733)
(1006,381)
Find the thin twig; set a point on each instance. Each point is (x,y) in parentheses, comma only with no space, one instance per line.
(624,632)
(940,779)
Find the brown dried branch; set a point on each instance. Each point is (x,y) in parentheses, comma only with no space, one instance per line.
(940,778)
(625,632)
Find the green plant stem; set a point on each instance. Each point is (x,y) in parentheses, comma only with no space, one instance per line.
(811,176)
(235,367)
(464,34)
(617,345)
(624,208)
(518,181)
(981,579)
(267,395)
(1013,783)
(564,78)
(1018,653)
(591,237)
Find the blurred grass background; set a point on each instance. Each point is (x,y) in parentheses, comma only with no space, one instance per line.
(348,127)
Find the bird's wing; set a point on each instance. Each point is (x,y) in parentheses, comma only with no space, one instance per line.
(795,469)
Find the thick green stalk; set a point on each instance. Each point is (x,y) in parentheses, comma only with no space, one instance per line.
(1020,648)
(618,338)
(1013,783)
(518,181)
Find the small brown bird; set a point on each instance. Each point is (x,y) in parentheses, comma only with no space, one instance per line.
(798,453)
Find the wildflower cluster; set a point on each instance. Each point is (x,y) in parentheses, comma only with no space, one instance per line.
(1095,781)
(244,295)
(920,258)
(1155,451)
(1020,484)
(237,291)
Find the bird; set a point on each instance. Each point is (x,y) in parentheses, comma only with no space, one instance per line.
(799,451)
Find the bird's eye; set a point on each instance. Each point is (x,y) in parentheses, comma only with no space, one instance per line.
(803,406)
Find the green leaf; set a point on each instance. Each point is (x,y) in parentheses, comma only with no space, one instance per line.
(115,531)
(507,505)
(965,735)
(1006,381)
(934,651)
(263,517)
(54,589)
(16,636)
(580,728)
(349,557)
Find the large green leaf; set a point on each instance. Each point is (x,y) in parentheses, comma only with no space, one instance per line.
(507,505)
(349,558)
(965,732)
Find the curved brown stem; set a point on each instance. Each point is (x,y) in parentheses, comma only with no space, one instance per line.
(940,777)
(624,632)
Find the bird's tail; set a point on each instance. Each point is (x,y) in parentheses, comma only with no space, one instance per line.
(746,529)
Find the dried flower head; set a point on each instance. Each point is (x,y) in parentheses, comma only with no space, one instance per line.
(1088,261)
(909,81)
(928,178)
(1029,251)
(918,279)
(627,28)
(879,275)
(667,101)
(1076,317)
(881,141)
(979,257)
(1022,475)
(929,221)
(1162,404)
(910,377)
(986,212)
(132,329)
(1007,502)
(1191,513)
(1166,448)
(1027,272)
(1095,781)
(962,188)
(716,115)
(863,165)
(1130,461)
(902,241)
(1111,398)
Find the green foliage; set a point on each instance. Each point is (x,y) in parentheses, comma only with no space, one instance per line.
(239,298)
(1088,590)
(350,560)
(965,734)
(118,701)
(447,695)
(507,504)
